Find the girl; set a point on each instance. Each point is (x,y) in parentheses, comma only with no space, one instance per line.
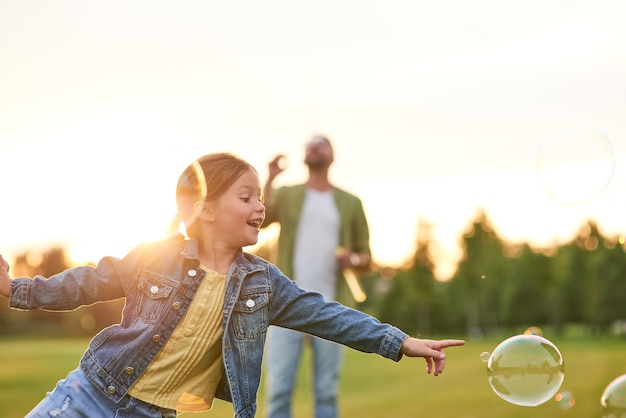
(197,310)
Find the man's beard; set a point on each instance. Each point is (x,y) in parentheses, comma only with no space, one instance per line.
(316,164)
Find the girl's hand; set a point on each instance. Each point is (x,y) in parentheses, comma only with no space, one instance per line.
(431,350)
(5,279)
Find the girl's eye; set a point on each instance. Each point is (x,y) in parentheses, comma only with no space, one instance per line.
(245,199)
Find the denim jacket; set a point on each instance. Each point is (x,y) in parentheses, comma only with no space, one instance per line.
(159,281)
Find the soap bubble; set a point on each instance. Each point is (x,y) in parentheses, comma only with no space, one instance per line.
(525,370)
(484,356)
(576,167)
(613,399)
(565,399)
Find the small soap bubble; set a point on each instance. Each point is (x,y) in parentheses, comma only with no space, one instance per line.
(576,167)
(613,399)
(565,399)
(484,356)
(526,370)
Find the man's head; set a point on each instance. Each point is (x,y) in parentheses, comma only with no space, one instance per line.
(318,152)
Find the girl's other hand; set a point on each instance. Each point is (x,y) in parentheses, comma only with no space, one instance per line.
(5,279)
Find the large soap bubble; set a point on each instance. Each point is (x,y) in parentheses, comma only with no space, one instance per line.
(576,167)
(613,399)
(526,370)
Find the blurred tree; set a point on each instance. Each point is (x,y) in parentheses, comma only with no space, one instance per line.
(497,285)
(572,271)
(606,288)
(421,277)
(479,274)
(523,299)
(407,303)
(612,270)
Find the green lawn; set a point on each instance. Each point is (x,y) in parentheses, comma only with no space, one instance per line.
(371,386)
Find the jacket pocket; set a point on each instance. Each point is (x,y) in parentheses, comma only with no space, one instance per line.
(250,313)
(153,294)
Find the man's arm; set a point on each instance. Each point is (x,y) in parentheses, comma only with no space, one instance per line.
(274,169)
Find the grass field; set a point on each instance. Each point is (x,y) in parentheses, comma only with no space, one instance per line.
(370,387)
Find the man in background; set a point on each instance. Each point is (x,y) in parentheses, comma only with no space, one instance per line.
(323,230)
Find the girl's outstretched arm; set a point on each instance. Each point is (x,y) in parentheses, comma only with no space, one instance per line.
(431,350)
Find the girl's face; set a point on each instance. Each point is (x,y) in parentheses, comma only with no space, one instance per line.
(239,212)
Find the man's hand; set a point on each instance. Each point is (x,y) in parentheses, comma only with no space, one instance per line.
(276,166)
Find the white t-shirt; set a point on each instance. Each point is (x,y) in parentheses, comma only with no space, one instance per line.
(317,238)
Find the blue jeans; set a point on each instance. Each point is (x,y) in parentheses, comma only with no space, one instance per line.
(76,397)
(284,348)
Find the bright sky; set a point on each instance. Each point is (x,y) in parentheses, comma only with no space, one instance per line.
(435,108)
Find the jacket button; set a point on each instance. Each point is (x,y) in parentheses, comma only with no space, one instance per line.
(154,289)
(156,337)
(129,370)
(176,305)
(111,389)
(250,303)
(192,273)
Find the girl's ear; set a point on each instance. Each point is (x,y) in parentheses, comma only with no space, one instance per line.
(205,210)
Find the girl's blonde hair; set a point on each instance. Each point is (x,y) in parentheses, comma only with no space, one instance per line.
(206,179)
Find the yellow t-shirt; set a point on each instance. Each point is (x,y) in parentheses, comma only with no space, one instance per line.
(185,373)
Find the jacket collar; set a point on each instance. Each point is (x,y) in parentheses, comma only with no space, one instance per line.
(245,262)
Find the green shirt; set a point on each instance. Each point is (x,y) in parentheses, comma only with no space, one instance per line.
(285,205)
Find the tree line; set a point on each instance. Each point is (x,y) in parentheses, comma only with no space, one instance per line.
(497,287)
(504,287)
